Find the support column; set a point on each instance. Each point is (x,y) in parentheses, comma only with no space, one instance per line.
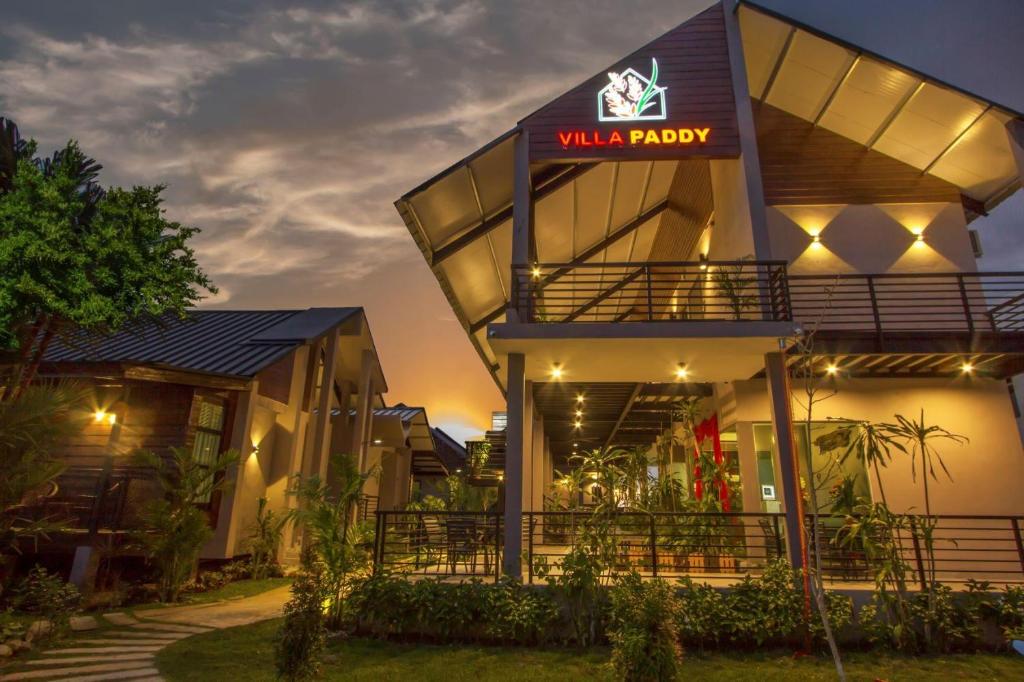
(321,429)
(514,450)
(223,543)
(522,228)
(364,410)
(780,397)
(1015,131)
(749,157)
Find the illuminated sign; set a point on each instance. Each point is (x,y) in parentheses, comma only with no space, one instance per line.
(633,137)
(632,97)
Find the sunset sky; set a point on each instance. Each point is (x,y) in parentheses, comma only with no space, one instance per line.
(286,130)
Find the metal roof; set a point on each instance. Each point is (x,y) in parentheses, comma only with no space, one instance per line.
(224,342)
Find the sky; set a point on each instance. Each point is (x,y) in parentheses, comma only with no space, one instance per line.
(286,130)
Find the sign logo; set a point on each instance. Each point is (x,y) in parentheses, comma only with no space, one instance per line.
(632,97)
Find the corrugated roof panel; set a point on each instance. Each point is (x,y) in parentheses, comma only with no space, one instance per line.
(211,341)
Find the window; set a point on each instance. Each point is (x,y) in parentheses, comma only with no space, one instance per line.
(209,431)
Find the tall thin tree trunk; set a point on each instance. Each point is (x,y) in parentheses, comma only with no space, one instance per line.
(29,373)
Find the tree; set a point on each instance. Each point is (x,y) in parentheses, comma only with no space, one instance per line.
(74,256)
(175,526)
(29,430)
(337,543)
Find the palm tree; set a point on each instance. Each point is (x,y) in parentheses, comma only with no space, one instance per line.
(326,514)
(30,429)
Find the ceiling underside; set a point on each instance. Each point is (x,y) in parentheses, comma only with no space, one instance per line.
(616,414)
(462,218)
(933,128)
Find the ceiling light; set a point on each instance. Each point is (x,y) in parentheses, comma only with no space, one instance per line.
(967,368)
(99,415)
(579,398)
(578,424)
(535,272)
(681,372)
(575,445)
(831,369)
(579,413)
(111,418)
(556,371)
(377,441)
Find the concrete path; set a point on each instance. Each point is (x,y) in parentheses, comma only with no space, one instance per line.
(126,649)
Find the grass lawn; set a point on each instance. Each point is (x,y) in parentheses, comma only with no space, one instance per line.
(235,590)
(247,653)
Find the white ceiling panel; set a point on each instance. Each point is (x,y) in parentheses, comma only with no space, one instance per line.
(645,239)
(552,225)
(476,283)
(763,38)
(501,247)
(929,122)
(661,182)
(982,161)
(810,72)
(868,97)
(593,194)
(493,173)
(447,207)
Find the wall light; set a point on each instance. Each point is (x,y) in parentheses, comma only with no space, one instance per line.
(579,398)
(578,425)
(681,372)
(703,261)
(575,445)
(377,441)
(556,371)
(579,413)
(104,416)
(815,238)
(535,272)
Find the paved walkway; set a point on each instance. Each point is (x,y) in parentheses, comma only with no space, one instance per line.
(122,646)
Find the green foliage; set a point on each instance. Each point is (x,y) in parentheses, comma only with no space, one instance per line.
(175,527)
(645,647)
(75,256)
(339,545)
(30,429)
(266,530)
(505,612)
(47,595)
(300,641)
(701,614)
(1009,613)
(427,503)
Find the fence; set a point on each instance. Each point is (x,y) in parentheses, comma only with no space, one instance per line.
(705,545)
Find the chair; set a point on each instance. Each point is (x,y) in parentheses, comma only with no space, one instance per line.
(463,542)
(430,540)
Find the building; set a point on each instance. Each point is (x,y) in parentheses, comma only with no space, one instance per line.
(670,227)
(284,388)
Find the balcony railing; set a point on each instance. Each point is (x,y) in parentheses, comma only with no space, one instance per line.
(674,544)
(990,302)
(651,291)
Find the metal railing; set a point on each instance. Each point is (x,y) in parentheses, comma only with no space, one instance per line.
(751,290)
(704,545)
(651,291)
(910,302)
(439,543)
(368,505)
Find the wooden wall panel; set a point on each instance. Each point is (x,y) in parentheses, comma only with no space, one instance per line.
(693,61)
(804,164)
(275,381)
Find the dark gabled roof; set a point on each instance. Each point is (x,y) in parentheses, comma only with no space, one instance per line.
(225,342)
(448,450)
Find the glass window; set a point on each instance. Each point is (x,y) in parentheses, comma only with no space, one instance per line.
(209,432)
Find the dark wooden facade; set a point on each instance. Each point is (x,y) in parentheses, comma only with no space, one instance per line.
(694,61)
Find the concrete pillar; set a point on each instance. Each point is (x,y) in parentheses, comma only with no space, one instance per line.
(522,223)
(1015,131)
(324,403)
(529,419)
(362,428)
(223,543)
(514,451)
(539,460)
(780,398)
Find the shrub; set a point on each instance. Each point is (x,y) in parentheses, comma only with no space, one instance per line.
(642,633)
(46,594)
(1010,613)
(701,613)
(267,531)
(300,642)
(505,612)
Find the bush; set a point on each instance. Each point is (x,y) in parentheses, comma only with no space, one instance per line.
(506,612)
(951,623)
(300,642)
(701,613)
(644,643)
(47,595)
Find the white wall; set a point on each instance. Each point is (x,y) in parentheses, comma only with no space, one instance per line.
(988,472)
(873,238)
(732,236)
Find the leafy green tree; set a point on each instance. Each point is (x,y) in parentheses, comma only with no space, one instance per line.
(175,526)
(74,256)
(29,431)
(265,540)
